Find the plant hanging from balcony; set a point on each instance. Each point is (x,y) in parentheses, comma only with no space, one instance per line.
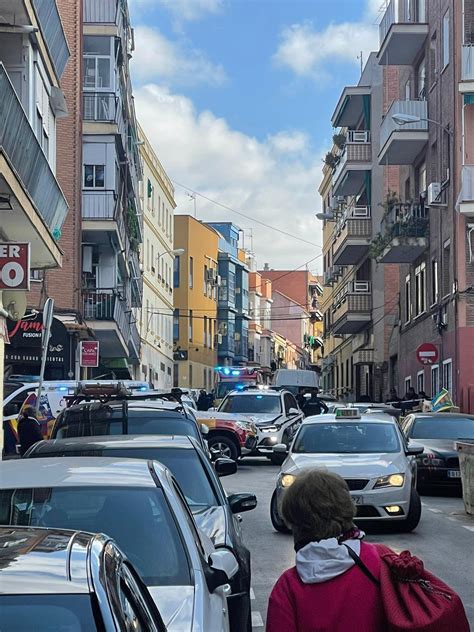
(331,160)
(133,229)
(339,140)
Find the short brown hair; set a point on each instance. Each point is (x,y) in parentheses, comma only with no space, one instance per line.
(317,506)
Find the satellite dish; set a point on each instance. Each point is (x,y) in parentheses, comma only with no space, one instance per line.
(15,303)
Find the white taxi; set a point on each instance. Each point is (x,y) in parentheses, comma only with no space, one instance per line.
(369,452)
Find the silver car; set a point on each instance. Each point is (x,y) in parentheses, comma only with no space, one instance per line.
(369,452)
(138,504)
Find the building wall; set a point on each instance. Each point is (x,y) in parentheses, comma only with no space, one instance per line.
(195,302)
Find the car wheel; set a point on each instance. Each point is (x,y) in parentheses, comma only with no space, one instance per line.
(220,445)
(277,521)
(414,512)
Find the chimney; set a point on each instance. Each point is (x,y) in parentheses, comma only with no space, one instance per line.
(266,267)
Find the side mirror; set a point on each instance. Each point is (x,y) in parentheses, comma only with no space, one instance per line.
(224,466)
(204,430)
(293,411)
(242,502)
(414,450)
(280,448)
(223,567)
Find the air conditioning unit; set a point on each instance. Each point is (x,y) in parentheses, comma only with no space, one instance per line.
(434,190)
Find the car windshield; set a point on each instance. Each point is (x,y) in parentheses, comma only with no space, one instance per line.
(138,519)
(346,438)
(185,465)
(443,428)
(250,403)
(104,420)
(47,613)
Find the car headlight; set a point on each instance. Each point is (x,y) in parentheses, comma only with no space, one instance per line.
(287,480)
(392,480)
(428,459)
(269,429)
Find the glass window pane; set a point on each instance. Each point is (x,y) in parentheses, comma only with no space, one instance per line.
(88,175)
(94,44)
(103,73)
(99,175)
(89,72)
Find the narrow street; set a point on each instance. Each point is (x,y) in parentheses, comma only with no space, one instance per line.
(444,539)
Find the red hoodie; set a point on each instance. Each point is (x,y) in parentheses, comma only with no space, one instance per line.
(348,603)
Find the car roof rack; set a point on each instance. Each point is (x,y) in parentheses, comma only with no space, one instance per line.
(105,393)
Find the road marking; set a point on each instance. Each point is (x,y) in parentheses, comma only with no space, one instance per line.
(434,510)
(468,527)
(257,621)
(252,594)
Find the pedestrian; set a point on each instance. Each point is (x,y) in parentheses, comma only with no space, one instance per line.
(393,397)
(210,400)
(300,398)
(410,394)
(202,402)
(29,430)
(314,405)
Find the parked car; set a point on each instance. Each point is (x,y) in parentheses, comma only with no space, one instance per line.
(294,380)
(139,504)
(53,579)
(275,413)
(369,452)
(214,511)
(436,432)
(230,435)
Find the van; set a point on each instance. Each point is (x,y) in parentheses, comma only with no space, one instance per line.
(295,379)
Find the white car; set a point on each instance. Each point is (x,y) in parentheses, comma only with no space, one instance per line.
(138,503)
(369,452)
(275,413)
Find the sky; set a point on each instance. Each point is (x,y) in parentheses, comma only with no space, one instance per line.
(236,98)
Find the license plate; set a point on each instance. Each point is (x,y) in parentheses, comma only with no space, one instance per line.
(454,473)
(358,500)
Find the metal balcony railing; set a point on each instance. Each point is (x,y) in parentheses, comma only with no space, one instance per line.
(401,12)
(108,305)
(52,28)
(418,109)
(467,62)
(100,106)
(99,204)
(355,151)
(406,219)
(18,141)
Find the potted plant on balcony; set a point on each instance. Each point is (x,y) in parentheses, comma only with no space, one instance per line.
(339,140)
(331,160)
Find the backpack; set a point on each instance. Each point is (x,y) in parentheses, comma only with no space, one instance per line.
(413,599)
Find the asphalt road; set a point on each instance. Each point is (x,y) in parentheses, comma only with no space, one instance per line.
(444,539)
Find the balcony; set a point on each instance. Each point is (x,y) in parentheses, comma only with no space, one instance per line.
(406,234)
(134,344)
(466,196)
(107,314)
(402,34)
(353,104)
(352,237)
(53,33)
(352,308)
(363,356)
(401,144)
(103,114)
(37,204)
(467,69)
(356,159)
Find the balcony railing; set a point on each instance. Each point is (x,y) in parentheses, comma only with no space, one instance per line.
(52,28)
(18,141)
(108,305)
(398,12)
(358,149)
(352,307)
(403,236)
(99,204)
(419,109)
(467,62)
(100,106)
(101,11)
(134,341)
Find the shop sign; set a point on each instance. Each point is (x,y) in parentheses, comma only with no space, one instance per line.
(14,266)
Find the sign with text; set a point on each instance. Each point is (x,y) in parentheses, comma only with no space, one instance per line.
(14,266)
(89,353)
(427,353)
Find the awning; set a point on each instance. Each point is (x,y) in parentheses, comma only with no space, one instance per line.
(115,363)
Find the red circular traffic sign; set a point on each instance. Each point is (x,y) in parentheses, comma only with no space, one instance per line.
(427,353)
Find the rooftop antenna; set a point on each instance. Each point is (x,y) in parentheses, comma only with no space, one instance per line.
(192,196)
(361,57)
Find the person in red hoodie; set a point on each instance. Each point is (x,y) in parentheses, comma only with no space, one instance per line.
(325,591)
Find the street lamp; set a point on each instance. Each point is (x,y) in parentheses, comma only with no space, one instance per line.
(405,119)
(326,216)
(175,253)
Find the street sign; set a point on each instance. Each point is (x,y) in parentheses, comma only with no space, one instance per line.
(427,353)
(14,266)
(89,353)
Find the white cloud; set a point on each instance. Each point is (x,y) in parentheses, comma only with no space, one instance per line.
(308,51)
(157,57)
(258,178)
(183,9)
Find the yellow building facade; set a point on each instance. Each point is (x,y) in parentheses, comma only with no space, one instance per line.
(195,302)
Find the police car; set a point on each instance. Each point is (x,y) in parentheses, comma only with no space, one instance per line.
(275,413)
(369,452)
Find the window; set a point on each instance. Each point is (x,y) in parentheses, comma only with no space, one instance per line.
(421,81)
(407,383)
(446,39)
(147,254)
(205,331)
(176,325)
(176,264)
(448,375)
(434,380)
(191,272)
(190,325)
(446,268)
(205,281)
(420,381)
(408,304)
(94,176)
(420,10)
(97,62)
(153,258)
(433,59)
(420,289)
(434,282)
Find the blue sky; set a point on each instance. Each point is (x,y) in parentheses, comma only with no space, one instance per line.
(236,97)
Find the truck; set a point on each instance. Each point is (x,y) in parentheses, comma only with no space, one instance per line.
(231,378)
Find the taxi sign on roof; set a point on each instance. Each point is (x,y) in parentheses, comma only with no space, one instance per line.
(347,413)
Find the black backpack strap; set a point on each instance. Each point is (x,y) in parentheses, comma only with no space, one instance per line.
(358,562)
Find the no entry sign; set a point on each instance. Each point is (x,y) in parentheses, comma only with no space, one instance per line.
(89,350)
(427,353)
(14,266)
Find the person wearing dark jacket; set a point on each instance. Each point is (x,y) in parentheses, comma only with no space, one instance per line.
(29,431)
(314,405)
(203,400)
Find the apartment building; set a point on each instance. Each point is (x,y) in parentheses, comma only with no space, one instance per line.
(195,282)
(112,226)
(157,262)
(361,302)
(261,347)
(233,309)
(33,208)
